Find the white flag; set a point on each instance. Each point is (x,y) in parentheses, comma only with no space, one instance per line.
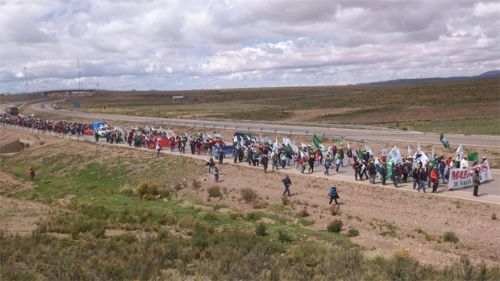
(410,152)
(420,156)
(432,153)
(460,153)
(395,155)
(368,149)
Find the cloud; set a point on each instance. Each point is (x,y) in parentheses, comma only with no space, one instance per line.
(188,44)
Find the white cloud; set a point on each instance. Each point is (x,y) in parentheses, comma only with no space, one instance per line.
(242,43)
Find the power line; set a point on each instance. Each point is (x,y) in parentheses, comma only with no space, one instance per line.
(79,74)
(26,80)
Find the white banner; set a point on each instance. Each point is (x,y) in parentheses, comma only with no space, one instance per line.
(461,178)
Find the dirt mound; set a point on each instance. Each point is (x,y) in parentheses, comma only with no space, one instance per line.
(13,146)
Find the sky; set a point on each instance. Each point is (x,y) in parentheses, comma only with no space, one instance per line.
(205,44)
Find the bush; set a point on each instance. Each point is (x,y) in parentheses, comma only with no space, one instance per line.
(303,213)
(147,190)
(196,184)
(494,216)
(335,226)
(450,236)
(285,200)
(306,222)
(284,237)
(248,194)
(253,216)
(261,229)
(214,191)
(353,232)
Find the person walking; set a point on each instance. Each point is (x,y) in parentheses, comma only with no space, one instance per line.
(311,160)
(338,162)
(158,148)
(434,179)
(422,179)
(326,164)
(287,182)
(265,161)
(355,167)
(31,173)
(333,194)
(476,180)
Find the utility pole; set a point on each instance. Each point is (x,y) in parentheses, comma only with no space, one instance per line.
(79,74)
(26,79)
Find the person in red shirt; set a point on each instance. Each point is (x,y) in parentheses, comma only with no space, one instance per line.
(434,179)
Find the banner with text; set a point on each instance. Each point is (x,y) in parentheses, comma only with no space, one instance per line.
(461,178)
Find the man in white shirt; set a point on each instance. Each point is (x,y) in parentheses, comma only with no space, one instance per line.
(464,164)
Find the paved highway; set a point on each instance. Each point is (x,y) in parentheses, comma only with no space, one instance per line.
(347,133)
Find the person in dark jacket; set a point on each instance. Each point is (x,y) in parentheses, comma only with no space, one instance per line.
(287,182)
(477,182)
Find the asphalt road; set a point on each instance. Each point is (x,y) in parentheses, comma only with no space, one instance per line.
(381,134)
(489,189)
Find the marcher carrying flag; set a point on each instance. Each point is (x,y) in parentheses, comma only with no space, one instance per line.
(444,141)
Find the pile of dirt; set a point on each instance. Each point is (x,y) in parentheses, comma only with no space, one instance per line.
(13,146)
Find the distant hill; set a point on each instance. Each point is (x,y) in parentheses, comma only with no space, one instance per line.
(488,74)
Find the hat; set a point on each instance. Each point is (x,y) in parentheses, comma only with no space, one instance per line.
(484,157)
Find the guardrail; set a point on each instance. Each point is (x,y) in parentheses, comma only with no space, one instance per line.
(249,128)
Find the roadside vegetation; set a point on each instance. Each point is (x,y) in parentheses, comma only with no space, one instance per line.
(116,216)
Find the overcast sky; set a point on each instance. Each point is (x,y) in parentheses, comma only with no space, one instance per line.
(189,44)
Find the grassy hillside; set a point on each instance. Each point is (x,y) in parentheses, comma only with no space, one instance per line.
(467,106)
(117,216)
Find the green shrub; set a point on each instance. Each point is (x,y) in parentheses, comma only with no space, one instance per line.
(335,226)
(253,216)
(306,222)
(284,237)
(196,184)
(214,191)
(147,190)
(98,230)
(248,195)
(303,213)
(353,232)
(450,236)
(261,229)
(285,200)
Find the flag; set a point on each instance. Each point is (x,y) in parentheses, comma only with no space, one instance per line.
(460,153)
(368,149)
(419,147)
(348,146)
(444,141)
(410,152)
(317,143)
(384,151)
(473,156)
(341,143)
(420,156)
(433,154)
(394,157)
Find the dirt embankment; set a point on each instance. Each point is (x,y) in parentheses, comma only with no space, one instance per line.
(387,220)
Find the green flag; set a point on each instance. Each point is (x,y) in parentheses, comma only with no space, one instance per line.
(341,143)
(473,156)
(316,141)
(444,141)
